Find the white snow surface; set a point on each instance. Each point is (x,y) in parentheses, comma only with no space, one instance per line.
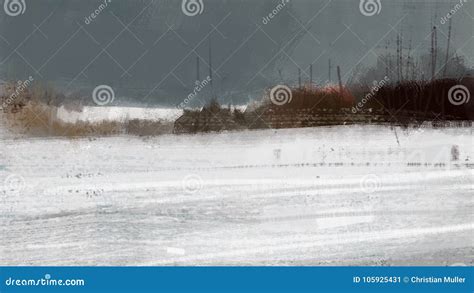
(97,114)
(346,195)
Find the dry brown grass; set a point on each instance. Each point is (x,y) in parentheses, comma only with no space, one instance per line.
(35,118)
(38,119)
(33,112)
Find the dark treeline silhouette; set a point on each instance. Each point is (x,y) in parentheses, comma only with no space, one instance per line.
(421,98)
(313,98)
(401,103)
(427,100)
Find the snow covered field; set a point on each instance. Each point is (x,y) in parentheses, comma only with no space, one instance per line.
(347,195)
(97,114)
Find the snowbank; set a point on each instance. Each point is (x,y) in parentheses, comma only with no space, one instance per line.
(97,114)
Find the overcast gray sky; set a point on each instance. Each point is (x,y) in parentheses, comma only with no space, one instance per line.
(146,50)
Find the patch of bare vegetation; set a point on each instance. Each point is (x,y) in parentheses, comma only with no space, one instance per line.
(33,112)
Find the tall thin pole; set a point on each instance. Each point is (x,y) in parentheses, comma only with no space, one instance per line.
(401,56)
(210,61)
(299,78)
(407,70)
(311,76)
(434,44)
(436,49)
(432,53)
(398,57)
(210,70)
(198,76)
(448,47)
(330,69)
(340,84)
(390,63)
(387,57)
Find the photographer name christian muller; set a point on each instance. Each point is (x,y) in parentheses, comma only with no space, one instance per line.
(447,280)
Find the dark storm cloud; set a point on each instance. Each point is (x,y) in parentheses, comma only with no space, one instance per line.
(147,50)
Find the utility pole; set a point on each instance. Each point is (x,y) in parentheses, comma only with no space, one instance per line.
(401,55)
(434,44)
(311,76)
(387,59)
(398,57)
(299,78)
(210,61)
(198,76)
(448,47)
(213,95)
(407,70)
(330,69)
(340,84)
